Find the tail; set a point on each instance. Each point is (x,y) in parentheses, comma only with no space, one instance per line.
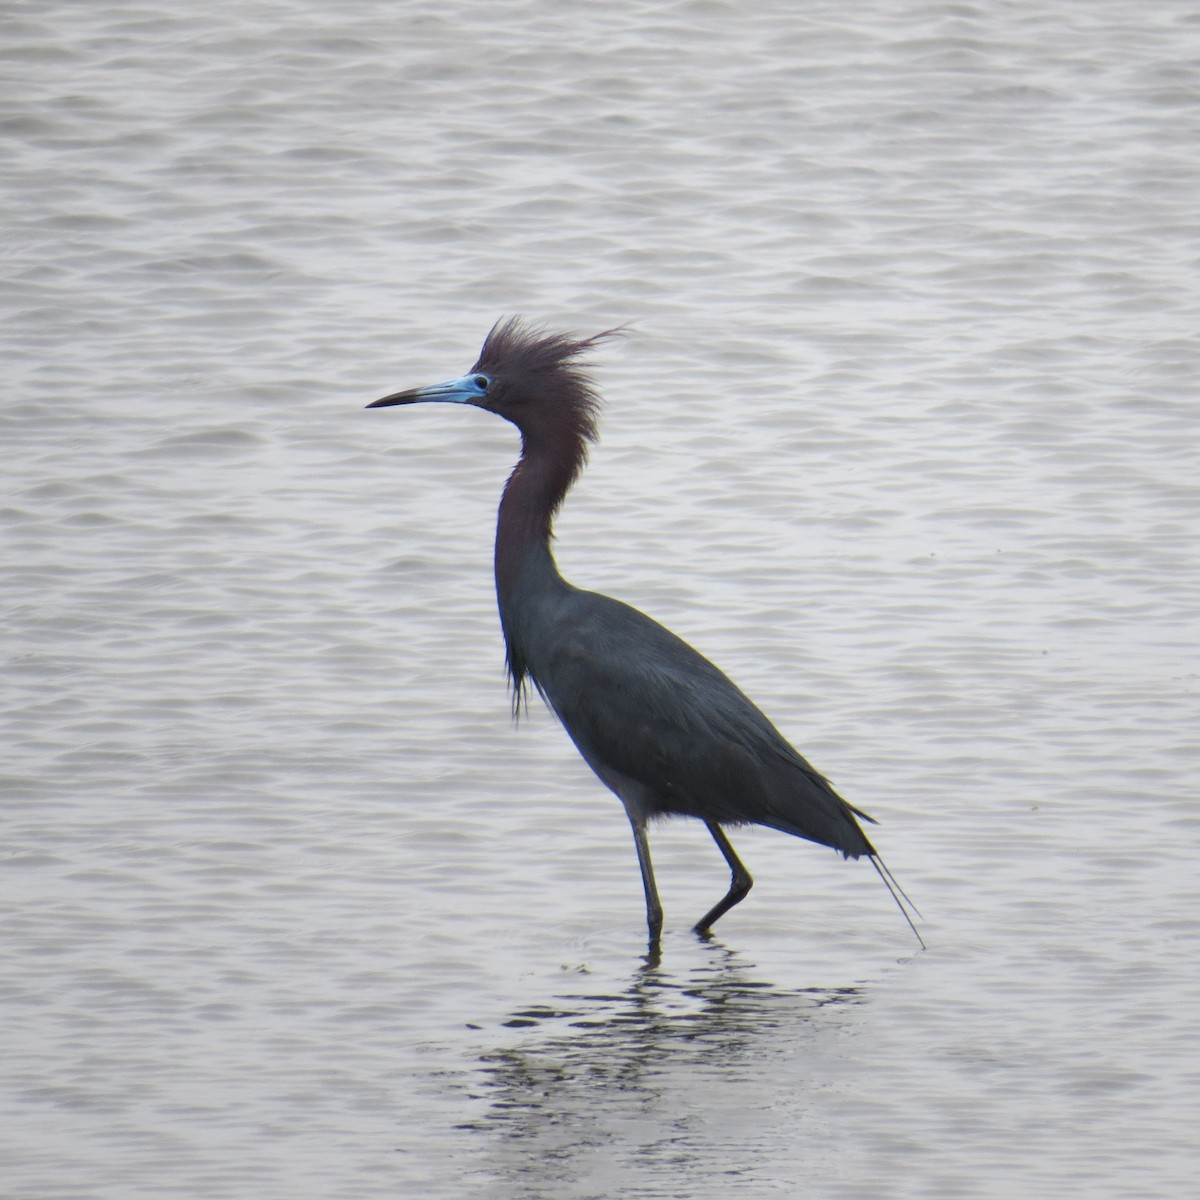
(898,894)
(884,872)
(832,821)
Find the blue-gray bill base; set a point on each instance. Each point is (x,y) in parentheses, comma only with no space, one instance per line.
(663,727)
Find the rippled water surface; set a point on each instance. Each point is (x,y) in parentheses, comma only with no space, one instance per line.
(905,438)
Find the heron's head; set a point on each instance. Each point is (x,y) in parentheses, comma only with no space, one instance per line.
(527,375)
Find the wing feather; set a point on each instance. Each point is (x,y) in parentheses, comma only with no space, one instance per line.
(640,701)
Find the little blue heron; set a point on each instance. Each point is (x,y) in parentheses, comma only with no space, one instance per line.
(667,731)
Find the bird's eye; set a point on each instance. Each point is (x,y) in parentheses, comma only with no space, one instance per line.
(481,382)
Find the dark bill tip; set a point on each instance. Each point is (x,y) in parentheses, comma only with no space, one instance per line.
(409,397)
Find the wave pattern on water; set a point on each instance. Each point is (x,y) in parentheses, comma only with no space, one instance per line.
(905,439)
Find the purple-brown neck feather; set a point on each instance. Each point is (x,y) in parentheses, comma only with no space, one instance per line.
(555,406)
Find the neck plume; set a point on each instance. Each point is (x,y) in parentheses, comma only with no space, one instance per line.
(525,568)
(541,387)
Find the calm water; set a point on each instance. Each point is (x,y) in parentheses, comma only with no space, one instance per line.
(906,439)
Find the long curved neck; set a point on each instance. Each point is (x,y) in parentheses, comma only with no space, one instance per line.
(524,526)
(526,574)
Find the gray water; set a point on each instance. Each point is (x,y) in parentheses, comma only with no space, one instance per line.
(904,437)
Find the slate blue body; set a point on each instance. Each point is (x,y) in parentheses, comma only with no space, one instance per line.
(662,726)
(640,702)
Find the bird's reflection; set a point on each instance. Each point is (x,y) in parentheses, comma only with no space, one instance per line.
(608,1092)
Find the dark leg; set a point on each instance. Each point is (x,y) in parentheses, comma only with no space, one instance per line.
(739,886)
(654,912)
